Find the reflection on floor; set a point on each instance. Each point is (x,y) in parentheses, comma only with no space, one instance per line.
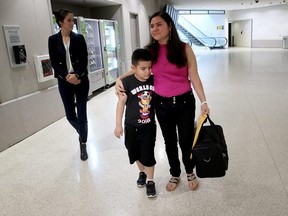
(247,91)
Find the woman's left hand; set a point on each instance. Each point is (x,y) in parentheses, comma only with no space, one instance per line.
(205,109)
(71,78)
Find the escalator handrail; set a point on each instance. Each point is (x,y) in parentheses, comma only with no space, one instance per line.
(201,33)
(202,39)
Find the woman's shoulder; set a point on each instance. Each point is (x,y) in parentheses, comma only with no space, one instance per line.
(186,45)
(76,35)
(54,36)
(188,48)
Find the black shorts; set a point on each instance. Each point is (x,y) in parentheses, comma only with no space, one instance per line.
(140,143)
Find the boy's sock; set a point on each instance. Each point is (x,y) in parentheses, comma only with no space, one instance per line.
(149,180)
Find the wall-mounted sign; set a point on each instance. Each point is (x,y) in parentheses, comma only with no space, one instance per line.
(43,68)
(221,27)
(13,39)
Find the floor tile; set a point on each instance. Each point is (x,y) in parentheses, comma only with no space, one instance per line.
(246,90)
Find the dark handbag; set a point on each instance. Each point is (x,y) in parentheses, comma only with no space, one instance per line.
(209,149)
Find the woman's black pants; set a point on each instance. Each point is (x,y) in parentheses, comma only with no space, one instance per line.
(74,98)
(176,118)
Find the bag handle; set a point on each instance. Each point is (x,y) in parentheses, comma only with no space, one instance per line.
(201,120)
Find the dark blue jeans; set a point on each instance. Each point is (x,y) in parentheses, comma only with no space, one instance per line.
(74,98)
(176,118)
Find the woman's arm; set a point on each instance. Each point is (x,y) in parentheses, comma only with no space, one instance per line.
(81,62)
(82,55)
(119,88)
(56,57)
(195,79)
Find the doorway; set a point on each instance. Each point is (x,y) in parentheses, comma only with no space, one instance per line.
(240,33)
(134,29)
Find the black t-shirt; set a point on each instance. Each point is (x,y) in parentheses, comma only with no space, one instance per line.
(139,105)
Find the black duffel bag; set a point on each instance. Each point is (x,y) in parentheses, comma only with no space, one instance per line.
(209,149)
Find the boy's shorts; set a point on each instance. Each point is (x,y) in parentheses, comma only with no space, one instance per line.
(140,143)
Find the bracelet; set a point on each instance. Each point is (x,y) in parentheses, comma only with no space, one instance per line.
(204,102)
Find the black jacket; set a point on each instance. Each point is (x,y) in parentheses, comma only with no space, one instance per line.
(78,55)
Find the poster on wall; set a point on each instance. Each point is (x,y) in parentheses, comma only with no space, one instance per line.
(16,49)
(44,68)
(220,27)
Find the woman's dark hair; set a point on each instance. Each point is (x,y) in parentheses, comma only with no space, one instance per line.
(176,53)
(60,15)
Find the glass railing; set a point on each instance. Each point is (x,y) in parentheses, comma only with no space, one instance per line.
(188,28)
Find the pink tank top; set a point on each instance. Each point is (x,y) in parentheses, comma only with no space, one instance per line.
(169,80)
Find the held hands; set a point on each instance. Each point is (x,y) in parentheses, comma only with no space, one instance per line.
(71,78)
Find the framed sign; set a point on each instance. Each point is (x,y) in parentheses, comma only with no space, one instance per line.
(43,67)
(13,39)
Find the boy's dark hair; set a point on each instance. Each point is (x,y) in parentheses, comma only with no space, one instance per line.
(60,15)
(140,55)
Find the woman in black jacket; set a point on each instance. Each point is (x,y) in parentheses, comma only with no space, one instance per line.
(69,59)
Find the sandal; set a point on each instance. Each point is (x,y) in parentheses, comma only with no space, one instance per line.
(172,184)
(192,181)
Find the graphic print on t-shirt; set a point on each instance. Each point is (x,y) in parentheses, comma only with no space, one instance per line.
(139,104)
(144,103)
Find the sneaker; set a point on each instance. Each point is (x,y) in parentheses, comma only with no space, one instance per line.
(141,180)
(150,189)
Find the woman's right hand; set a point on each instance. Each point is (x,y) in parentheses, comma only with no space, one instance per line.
(119,88)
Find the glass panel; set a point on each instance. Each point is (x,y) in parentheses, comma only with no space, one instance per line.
(110,41)
(195,35)
(93,45)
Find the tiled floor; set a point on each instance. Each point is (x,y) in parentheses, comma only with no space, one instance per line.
(247,90)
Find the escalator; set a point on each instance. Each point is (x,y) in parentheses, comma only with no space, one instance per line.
(198,38)
(189,33)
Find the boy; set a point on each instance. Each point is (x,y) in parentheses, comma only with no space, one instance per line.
(140,126)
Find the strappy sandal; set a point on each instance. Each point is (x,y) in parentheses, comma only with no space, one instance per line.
(172,184)
(192,181)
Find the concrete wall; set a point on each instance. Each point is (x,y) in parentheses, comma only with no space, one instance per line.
(269,25)
(27,106)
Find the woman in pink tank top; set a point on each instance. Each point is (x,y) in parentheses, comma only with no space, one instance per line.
(175,71)
(175,74)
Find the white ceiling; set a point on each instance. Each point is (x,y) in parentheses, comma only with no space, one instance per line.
(224,4)
(86,3)
(191,4)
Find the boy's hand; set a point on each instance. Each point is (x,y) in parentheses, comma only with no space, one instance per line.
(118,132)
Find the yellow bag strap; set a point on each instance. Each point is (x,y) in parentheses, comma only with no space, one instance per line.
(200,122)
